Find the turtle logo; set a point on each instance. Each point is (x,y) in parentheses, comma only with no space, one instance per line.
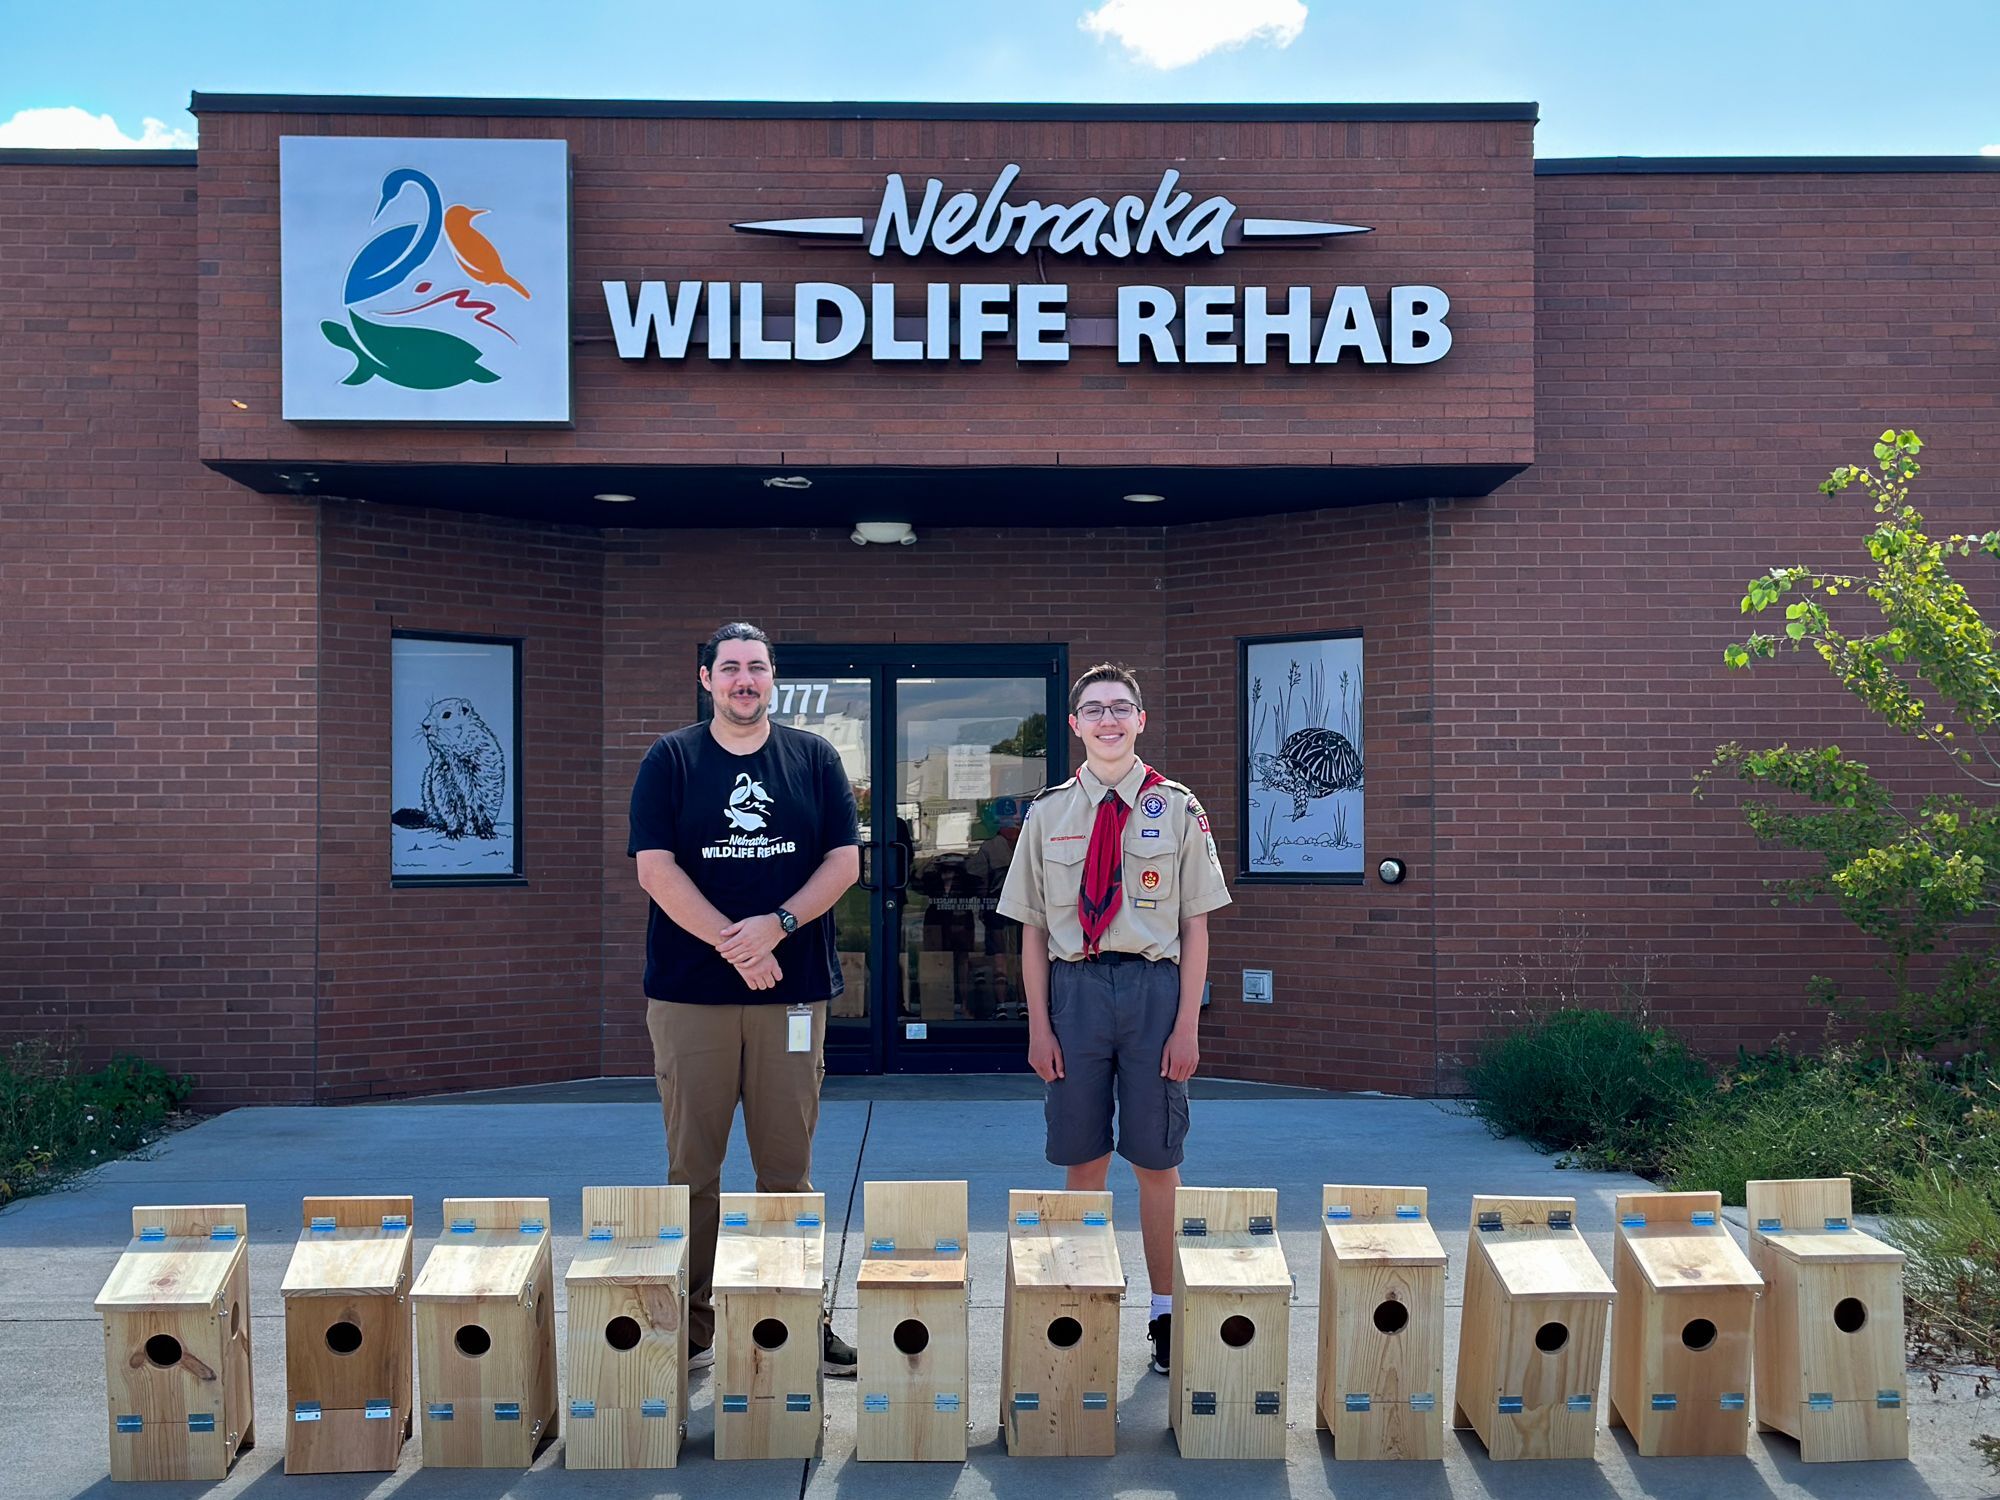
(415,356)
(749,808)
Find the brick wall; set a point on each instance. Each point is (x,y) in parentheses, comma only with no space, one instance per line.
(158,744)
(434,988)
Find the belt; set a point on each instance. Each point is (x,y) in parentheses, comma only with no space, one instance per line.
(1114,958)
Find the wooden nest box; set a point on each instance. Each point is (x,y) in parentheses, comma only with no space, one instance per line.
(486,1343)
(1381,1324)
(770,1279)
(914,1398)
(1531,1339)
(1059,1339)
(628,1347)
(1227,1373)
(1830,1368)
(177,1344)
(347,1336)
(1681,1329)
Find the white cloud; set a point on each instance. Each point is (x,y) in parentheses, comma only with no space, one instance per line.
(71,128)
(1989,150)
(1173,33)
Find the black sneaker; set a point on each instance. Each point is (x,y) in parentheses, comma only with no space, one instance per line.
(836,1355)
(1161,1332)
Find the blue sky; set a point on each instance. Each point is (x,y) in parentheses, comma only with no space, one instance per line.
(1683,77)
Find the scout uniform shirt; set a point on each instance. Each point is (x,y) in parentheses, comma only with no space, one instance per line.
(1171,869)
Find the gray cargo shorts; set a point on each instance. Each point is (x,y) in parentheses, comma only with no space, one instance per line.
(1112,1021)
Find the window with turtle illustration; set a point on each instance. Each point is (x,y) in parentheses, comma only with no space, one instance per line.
(1300,800)
(455,792)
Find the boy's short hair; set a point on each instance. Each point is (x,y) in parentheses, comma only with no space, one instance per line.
(736,630)
(1105,672)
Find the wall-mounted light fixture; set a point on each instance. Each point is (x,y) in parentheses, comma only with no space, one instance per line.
(1392,871)
(882,533)
(788,482)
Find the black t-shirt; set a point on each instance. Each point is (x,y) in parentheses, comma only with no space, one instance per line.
(748,830)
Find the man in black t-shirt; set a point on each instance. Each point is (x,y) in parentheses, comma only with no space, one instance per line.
(745,835)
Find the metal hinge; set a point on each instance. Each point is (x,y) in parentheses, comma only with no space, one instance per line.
(881,1247)
(395,1223)
(1561,1218)
(946,1401)
(1888,1400)
(439,1411)
(323,1224)
(1030,1219)
(1194,1228)
(874,1402)
(1820,1401)
(654,1407)
(1203,1403)
(1424,1401)
(1261,1224)
(532,1226)
(1095,1220)
(1408,1211)
(1666,1401)
(376,1411)
(1338,1211)
(1733,1401)
(806,1221)
(1359,1401)
(599,1233)
(946,1246)
(799,1401)
(736,1221)
(1579,1403)
(1096,1400)
(1267,1403)
(1489,1221)
(201,1421)
(506,1411)
(130,1424)
(306,1411)
(1510,1406)
(582,1410)
(735,1404)
(464,1226)
(1702,1218)
(1027,1401)
(1632,1221)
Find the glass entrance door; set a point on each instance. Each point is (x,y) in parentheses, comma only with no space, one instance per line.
(945,747)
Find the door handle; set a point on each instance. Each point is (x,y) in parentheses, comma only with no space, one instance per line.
(867,880)
(905,856)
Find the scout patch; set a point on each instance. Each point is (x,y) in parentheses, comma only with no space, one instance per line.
(1152,804)
(1201,821)
(1150,880)
(1149,833)
(1143,904)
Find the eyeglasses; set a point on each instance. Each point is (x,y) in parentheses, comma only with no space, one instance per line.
(1094,713)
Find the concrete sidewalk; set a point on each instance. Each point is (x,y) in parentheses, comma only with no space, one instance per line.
(56,1251)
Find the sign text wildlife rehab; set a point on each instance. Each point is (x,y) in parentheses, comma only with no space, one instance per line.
(820,321)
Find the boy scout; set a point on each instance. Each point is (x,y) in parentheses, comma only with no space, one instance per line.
(1113,881)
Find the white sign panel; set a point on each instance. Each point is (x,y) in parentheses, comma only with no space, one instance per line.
(1303,797)
(425,280)
(970,773)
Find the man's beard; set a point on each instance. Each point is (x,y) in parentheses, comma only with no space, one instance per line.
(727,707)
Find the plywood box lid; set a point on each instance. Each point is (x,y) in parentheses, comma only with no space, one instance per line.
(180,1256)
(1385,1243)
(627,1262)
(1065,1255)
(1234,1263)
(1675,1257)
(1849,1248)
(480,1266)
(770,1258)
(912,1270)
(347,1262)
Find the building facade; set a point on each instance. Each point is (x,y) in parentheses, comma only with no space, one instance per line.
(308,437)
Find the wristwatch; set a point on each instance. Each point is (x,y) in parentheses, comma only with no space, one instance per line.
(787,921)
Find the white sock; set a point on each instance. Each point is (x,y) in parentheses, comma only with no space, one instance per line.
(1161,1305)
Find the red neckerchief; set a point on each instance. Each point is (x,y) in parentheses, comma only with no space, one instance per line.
(1104,866)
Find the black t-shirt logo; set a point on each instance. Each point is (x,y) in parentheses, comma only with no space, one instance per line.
(749,807)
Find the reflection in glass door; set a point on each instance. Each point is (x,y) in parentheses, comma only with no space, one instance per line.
(945,746)
(971,752)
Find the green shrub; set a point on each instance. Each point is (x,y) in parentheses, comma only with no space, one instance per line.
(1874,1121)
(1948,1223)
(56,1121)
(1607,1088)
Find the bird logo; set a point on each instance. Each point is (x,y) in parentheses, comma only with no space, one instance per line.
(421,356)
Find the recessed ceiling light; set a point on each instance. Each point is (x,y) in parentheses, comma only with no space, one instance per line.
(1145,499)
(616,499)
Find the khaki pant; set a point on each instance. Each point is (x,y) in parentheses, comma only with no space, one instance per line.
(706,1058)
